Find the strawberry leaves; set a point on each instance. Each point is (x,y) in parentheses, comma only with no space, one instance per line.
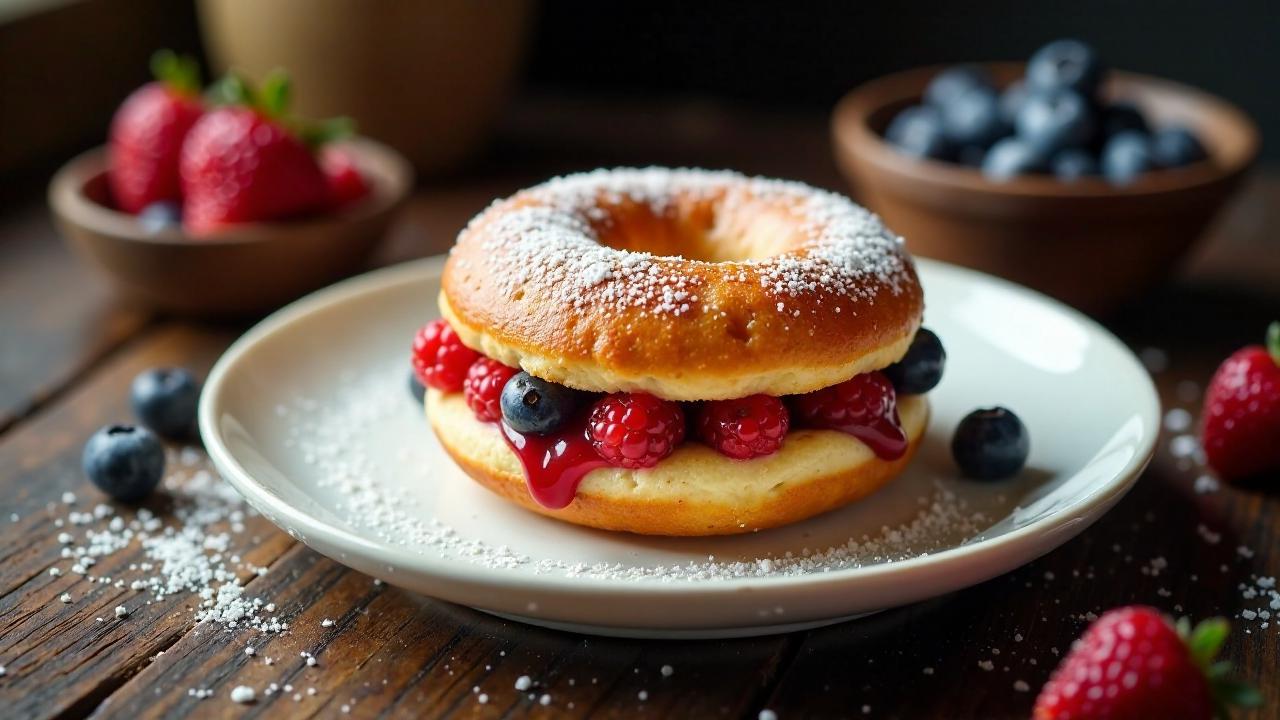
(272,101)
(1203,643)
(180,73)
(1273,341)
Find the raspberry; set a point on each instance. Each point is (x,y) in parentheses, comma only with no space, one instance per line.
(483,388)
(439,357)
(863,401)
(635,430)
(744,428)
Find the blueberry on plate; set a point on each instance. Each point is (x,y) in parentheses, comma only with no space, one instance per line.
(533,405)
(1119,117)
(920,370)
(1126,156)
(1065,65)
(160,215)
(1176,146)
(416,389)
(165,400)
(1012,157)
(954,82)
(990,444)
(124,461)
(1072,164)
(1053,120)
(973,118)
(917,131)
(1011,101)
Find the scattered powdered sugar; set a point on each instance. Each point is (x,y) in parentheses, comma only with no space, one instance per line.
(242,694)
(547,238)
(330,436)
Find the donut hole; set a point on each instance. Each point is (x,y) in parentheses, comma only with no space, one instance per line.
(706,231)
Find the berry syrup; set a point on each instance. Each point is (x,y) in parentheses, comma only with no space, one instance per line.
(554,464)
(884,435)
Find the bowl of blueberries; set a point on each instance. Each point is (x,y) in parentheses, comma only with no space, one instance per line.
(1085,183)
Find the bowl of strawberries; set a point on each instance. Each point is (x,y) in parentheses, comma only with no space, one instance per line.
(222,202)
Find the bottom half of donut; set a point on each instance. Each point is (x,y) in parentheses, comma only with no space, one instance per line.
(696,490)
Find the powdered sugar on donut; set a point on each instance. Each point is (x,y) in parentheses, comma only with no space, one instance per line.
(544,239)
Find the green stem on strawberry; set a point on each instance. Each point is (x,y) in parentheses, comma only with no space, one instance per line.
(1273,341)
(180,73)
(272,101)
(1204,642)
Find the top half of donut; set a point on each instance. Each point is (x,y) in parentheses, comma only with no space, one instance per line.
(688,284)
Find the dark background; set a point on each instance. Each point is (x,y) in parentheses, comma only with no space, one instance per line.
(800,55)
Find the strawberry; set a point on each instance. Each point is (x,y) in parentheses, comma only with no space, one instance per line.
(247,161)
(346,184)
(1131,664)
(1241,424)
(147,131)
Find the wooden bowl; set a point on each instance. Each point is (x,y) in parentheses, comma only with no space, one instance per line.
(244,270)
(1089,243)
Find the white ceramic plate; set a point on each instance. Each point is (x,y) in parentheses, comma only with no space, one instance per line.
(308,415)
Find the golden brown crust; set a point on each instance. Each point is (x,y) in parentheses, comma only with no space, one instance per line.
(782,289)
(695,491)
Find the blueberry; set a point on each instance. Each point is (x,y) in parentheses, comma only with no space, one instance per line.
(990,444)
(124,461)
(1126,156)
(1012,98)
(921,368)
(1053,120)
(158,216)
(917,131)
(1012,157)
(953,82)
(416,388)
(165,400)
(1119,117)
(973,118)
(1072,164)
(1176,146)
(532,405)
(1065,65)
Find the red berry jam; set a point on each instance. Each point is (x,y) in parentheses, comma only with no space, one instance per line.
(555,463)
(865,407)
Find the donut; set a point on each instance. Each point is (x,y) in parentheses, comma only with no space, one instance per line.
(703,291)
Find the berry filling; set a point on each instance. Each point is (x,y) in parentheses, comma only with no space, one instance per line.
(558,438)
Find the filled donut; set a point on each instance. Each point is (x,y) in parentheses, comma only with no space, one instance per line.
(677,352)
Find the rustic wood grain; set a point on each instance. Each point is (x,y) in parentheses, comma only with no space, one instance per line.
(57,318)
(59,660)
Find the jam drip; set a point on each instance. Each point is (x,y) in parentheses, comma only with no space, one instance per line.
(884,435)
(554,464)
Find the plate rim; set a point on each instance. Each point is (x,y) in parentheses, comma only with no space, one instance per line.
(1061,523)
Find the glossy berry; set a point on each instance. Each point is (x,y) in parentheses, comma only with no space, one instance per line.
(483,388)
(1175,147)
(1065,65)
(1053,120)
(635,430)
(917,132)
(160,216)
(1241,425)
(346,183)
(862,401)
(417,390)
(973,118)
(1126,157)
(953,82)
(920,370)
(124,461)
(1119,117)
(1072,164)
(145,140)
(533,405)
(1131,664)
(439,357)
(1010,158)
(250,162)
(165,400)
(990,444)
(744,428)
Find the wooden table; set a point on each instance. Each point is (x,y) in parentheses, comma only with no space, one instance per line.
(68,350)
